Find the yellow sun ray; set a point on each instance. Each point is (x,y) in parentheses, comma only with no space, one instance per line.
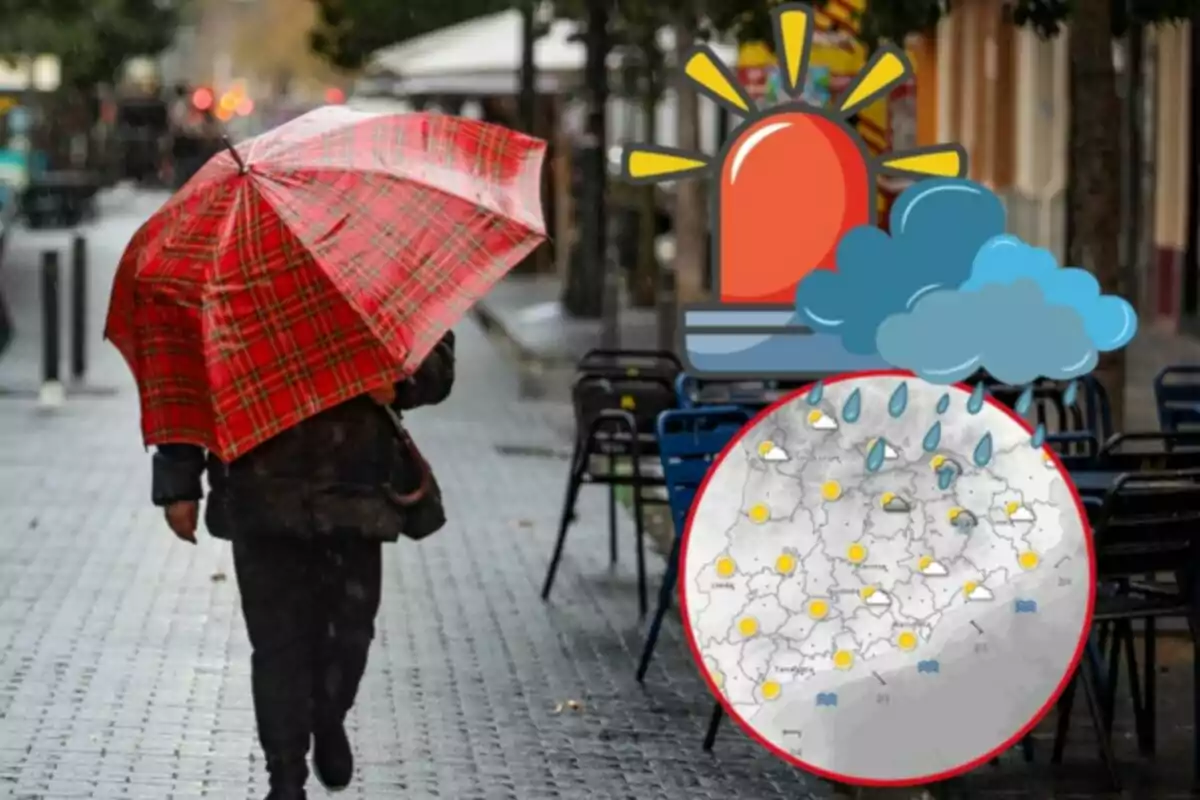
(794,33)
(889,66)
(715,80)
(650,164)
(939,160)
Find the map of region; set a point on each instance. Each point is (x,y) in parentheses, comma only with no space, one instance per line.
(887,580)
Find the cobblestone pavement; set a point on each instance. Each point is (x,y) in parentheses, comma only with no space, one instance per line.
(124,667)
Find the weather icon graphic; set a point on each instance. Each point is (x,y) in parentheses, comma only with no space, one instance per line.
(886,574)
(797,171)
(809,285)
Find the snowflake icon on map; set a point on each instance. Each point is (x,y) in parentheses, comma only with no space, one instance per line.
(883,581)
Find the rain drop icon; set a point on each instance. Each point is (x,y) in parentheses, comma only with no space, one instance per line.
(932,438)
(945,477)
(943,404)
(899,401)
(1039,436)
(1024,401)
(1071,395)
(876,455)
(975,403)
(983,451)
(852,410)
(815,393)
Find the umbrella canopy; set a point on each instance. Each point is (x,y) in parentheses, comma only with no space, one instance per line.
(314,262)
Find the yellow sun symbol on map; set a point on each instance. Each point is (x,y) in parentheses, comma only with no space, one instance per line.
(793,36)
(771,689)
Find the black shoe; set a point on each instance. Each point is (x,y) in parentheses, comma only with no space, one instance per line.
(287,778)
(333,761)
(288,793)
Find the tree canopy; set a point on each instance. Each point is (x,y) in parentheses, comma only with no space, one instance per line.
(896,19)
(92,39)
(348,31)
(893,20)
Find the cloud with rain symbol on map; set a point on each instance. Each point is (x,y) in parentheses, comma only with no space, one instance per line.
(949,293)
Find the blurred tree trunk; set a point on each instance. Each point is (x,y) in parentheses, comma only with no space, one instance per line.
(527,110)
(583,291)
(1094,184)
(645,273)
(527,97)
(691,229)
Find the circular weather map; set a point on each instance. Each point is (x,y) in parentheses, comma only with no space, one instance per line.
(887,582)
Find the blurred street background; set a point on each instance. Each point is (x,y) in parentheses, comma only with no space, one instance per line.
(123,665)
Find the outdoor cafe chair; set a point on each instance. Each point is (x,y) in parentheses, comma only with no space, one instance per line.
(1145,523)
(1141,451)
(1074,430)
(689,441)
(617,397)
(1177,397)
(620,365)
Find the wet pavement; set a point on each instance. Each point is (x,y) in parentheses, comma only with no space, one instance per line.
(124,666)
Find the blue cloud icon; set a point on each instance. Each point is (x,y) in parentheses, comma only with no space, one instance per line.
(826,699)
(1026,607)
(1110,321)
(1009,330)
(937,227)
(928,666)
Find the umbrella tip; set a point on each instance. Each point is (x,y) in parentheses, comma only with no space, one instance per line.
(237,157)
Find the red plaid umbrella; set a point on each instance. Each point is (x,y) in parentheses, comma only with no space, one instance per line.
(313,263)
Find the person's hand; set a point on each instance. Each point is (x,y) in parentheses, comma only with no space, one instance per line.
(384,395)
(183,517)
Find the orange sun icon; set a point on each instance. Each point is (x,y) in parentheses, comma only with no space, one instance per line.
(794,178)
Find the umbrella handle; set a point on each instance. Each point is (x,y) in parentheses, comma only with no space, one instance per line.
(409,499)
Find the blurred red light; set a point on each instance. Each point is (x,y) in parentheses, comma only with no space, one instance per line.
(245,107)
(334,96)
(202,99)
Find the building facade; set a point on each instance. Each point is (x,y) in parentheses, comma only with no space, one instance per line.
(1004,94)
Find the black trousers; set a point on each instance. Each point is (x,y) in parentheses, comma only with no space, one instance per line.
(310,609)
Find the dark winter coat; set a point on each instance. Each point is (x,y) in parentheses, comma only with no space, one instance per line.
(329,475)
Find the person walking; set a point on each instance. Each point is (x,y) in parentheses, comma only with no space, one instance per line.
(307,512)
(258,310)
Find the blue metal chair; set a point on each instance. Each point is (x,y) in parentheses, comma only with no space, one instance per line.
(1177,397)
(752,395)
(689,440)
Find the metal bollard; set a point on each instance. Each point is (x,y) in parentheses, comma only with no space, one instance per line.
(51,394)
(79,278)
(667,306)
